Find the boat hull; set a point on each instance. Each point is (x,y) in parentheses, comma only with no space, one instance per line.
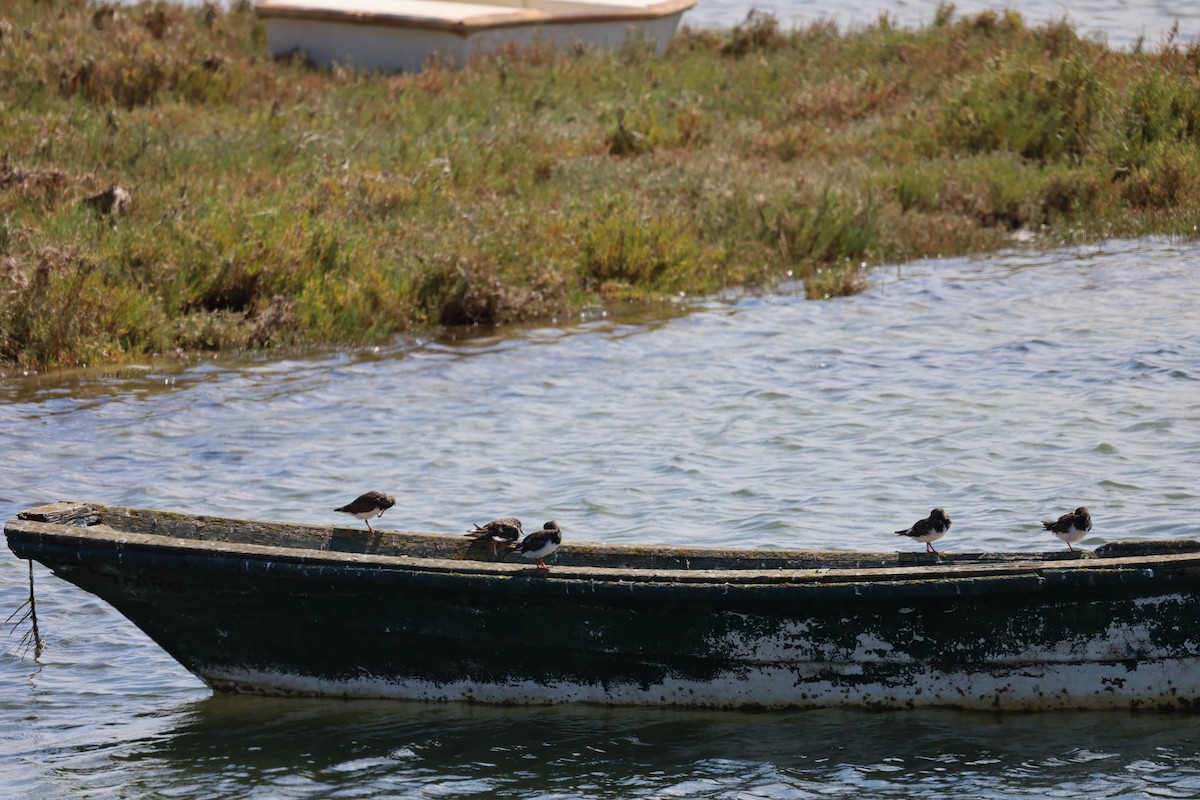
(398,49)
(414,32)
(302,622)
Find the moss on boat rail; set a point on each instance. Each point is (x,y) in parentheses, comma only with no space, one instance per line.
(166,185)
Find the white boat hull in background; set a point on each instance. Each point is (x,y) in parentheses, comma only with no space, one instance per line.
(403,35)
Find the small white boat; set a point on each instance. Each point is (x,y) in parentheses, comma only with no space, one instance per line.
(402,35)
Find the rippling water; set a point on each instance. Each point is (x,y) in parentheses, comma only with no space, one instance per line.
(1005,389)
(1121,23)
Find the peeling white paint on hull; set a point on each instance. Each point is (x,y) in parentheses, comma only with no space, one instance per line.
(1041,687)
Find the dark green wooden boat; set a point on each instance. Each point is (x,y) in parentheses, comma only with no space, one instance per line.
(302,609)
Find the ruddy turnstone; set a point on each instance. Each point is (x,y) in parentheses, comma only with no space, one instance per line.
(505,529)
(1070,527)
(365,506)
(540,544)
(929,529)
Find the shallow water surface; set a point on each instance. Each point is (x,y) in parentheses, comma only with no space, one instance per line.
(1121,23)
(1005,389)
(263,748)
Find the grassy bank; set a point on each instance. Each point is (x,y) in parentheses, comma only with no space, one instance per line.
(271,203)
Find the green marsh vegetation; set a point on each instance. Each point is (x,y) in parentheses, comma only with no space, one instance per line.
(275,204)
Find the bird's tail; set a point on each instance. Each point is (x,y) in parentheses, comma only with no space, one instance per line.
(1048,524)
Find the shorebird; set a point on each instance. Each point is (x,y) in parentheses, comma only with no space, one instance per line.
(505,529)
(540,544)
(1070,527)
(928,530)
(365,506)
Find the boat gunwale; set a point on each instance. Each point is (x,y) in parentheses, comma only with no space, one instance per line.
(99,536)
(507,18)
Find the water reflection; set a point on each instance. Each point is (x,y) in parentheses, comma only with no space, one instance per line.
(255,747)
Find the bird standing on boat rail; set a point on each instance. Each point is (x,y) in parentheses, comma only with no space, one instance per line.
(365,506)
(1070,527)
(539,544)
(505,529)
(928,530)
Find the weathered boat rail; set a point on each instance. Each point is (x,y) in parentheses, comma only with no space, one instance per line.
(385,556)
(618,556)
